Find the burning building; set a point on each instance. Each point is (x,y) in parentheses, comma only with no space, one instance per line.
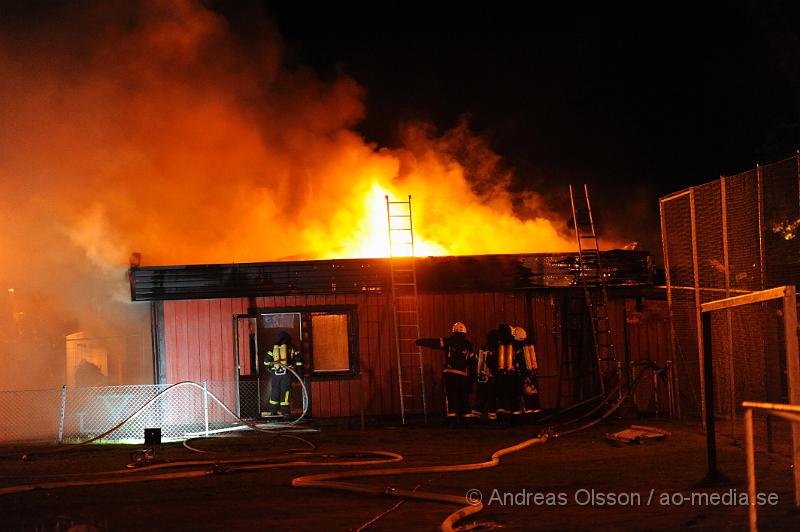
(215,322)
(141,126)
(201,145)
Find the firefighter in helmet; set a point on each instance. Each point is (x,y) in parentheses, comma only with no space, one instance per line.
(459,359)
(282,355)
(527,368)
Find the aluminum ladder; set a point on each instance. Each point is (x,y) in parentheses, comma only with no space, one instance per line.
(403,274)
(592,279)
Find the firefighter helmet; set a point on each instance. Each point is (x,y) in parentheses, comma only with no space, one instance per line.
(520,334)
(459,327)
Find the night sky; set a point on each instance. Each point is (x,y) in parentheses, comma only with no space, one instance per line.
(637,100)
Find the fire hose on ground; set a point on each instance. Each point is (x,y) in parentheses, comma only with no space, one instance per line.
(328,480)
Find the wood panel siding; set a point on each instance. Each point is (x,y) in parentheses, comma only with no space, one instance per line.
(198,339)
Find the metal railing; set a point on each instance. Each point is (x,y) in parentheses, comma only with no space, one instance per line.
(790,412)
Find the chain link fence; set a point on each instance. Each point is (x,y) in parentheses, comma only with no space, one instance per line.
(749,359)
(118,413)
(735,235)
(32,415)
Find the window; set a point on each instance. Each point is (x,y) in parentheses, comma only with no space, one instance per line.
(332,343)
(326,336)
(329,342)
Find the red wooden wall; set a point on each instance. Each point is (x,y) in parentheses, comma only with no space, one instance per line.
(199,340)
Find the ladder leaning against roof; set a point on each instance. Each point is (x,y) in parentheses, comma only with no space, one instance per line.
(410,369)
(592,279)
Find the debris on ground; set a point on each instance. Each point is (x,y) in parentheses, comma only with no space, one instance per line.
(638,434)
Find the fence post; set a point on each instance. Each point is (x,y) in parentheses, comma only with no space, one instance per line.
(63,408)
(205,404)
(713,476)
(751,469)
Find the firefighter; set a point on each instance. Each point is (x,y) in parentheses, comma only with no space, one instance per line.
(486,377)
(283,354)
(506,379)
(527,368)
(459,359)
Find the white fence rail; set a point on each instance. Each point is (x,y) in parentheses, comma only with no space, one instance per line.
(790,412)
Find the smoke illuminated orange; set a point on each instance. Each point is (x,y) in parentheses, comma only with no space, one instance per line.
(174,138)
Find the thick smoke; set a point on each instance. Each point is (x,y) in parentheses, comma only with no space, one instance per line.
(152,127)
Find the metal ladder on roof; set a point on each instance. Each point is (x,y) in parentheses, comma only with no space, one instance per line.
(592,279)
(410,368)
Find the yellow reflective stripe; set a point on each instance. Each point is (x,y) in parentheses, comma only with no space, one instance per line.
(286,397)
(273,402)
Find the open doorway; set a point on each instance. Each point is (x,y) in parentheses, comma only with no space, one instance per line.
(254,336)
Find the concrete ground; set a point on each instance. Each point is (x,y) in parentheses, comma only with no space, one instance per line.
(580,481)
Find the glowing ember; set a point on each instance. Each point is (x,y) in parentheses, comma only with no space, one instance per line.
(786,229)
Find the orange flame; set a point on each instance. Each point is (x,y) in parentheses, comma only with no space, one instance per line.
(449,218)
(470,229)
(177,139)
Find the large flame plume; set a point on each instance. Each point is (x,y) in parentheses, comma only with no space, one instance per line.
(155,127)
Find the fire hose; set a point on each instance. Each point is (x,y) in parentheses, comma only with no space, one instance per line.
(332,480)
(327,480)
(124,476)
